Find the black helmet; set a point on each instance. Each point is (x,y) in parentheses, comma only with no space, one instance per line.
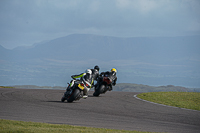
(96,67)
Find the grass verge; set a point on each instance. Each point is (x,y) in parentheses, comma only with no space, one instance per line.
(189,100)
(6,87)
(10,126)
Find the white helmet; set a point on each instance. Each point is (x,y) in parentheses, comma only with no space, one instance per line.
(88,71)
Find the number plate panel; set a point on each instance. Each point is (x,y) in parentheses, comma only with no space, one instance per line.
(80,86)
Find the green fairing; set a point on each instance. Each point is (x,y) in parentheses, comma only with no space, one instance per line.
(80,75)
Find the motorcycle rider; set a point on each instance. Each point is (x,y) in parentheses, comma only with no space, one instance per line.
(88,78)
(112,74)
(95,73)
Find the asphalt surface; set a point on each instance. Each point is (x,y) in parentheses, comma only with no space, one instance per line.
(114,110)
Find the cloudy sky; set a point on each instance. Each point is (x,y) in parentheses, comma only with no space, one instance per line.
(25,22)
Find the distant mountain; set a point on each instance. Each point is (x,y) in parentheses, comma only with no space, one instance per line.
(122,87)
(84,46)
(143,60)
(21,48)
(4,53)
(145,88)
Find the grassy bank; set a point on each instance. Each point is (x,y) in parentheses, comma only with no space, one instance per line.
(9,126)
(6,87)
(189,100)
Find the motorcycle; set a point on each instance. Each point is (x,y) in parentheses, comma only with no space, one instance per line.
(74,91)
(103,86)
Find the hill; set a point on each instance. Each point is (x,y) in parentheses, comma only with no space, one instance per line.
(153,61)
(146,88)
(126,87)
(72,46)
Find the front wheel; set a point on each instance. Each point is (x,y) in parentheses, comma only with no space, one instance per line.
(99,90)
(96,94)
(75,94)
(63,99)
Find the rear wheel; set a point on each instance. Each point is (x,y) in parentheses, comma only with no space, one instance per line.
(75,94)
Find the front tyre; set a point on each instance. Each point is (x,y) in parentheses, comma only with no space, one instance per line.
(96,94)
(73,96)
(99,90)
(63,99)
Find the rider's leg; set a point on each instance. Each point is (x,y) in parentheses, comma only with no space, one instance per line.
(110,87)
(85,92)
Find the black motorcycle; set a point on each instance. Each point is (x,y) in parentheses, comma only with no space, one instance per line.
(74,91)
(105,84)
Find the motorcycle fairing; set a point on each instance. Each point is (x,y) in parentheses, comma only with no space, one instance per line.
(107,80)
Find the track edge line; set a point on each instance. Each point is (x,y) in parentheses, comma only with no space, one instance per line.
(135,96)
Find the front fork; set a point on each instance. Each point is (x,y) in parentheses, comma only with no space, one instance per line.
(69,91)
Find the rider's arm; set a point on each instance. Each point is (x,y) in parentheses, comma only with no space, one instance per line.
(78,76)
(97,77)
(114,83)
(102,73)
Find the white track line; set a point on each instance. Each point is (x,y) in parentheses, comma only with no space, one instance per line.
(162,104)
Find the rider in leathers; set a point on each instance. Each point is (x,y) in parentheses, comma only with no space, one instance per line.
(95,72)
(88,78)
(111,74)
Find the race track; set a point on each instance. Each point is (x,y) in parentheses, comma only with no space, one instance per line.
(116,110)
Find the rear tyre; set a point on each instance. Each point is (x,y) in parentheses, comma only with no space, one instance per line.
(75,94)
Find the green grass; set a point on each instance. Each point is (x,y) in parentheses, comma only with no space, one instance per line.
(10,126)
(189,100)
(5,87)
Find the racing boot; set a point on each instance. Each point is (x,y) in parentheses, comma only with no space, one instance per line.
(85,93)
(110,88)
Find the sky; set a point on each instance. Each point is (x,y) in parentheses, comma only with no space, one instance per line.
(25,22)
